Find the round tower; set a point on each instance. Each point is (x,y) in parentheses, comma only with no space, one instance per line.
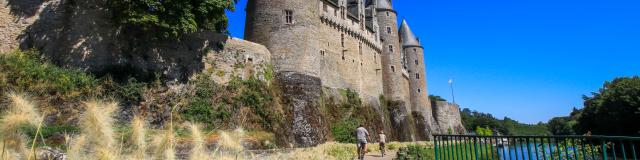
(395,85)
(287,28)
(416,67)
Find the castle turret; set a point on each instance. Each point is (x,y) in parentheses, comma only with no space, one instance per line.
(395,83)
(422,111)
(288,29)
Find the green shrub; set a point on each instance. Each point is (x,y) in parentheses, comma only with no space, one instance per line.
(343,131)
(172,18)
(214,104)
(25,71)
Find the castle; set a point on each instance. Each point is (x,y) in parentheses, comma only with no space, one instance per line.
(354,44)
(317,48)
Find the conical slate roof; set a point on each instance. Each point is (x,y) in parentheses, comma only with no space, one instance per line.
(383,5)
(407,37)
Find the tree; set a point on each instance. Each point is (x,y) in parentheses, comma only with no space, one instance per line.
(434,98)
(561,126)
(484,131)
(613,110)
(172,18)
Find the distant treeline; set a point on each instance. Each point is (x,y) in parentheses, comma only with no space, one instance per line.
(485,124)
(478,121)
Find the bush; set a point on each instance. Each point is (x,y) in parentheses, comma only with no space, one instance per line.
(343,131)
(213,104)
(172,18)
(25,71)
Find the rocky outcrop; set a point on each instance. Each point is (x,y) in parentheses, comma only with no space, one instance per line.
(448,117)
(307,126)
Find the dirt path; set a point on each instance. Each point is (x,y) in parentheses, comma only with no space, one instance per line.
(376,156)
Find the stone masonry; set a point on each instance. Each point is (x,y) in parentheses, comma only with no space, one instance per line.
(310,44)
(349,44)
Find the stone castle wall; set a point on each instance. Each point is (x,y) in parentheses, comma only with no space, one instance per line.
(349,54)
(81,35)
(448,117)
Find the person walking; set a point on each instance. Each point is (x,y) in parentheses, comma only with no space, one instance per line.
(382,140)
(362,136)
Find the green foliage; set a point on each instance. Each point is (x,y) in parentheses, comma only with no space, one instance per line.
(434,98)
(417,152)
(25,71)
(613,110)
(483,131)
(214,104)
(565,148)
(506,126)
(348,114)
(562,126)
(172,18)
(343,131)
(130,91)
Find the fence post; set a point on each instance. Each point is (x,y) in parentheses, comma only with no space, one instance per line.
(604,150)
(435,144)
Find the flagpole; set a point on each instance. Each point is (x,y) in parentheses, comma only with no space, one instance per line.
(453,97)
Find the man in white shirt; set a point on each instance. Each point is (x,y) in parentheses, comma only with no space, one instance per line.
(362,135)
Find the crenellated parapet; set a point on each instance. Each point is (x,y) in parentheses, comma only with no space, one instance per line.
(348,28)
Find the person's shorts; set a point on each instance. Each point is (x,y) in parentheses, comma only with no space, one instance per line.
(382,144)
(360,141)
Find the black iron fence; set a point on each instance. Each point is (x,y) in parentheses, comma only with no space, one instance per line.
(468,147)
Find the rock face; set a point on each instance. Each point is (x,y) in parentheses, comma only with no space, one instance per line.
(448,117)
(82,35)
(303,92)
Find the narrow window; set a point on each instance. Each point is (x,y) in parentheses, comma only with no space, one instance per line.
(360,48)
(342,40)
(388,14)
(389,30)
(288,16)
(419,90)
(417,76)
(325,8)
(390,48)
(393,68)
(375,58)
(322,52)
(415,50)
(416,62)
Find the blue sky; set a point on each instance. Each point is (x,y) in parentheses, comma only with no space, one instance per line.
(530,60)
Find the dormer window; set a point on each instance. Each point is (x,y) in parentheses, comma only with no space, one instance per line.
(288,16)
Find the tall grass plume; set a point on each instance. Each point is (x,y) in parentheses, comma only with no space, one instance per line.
(21,112)
(138,138)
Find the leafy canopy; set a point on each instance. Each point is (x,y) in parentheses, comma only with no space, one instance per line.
(613,110)
(172,18)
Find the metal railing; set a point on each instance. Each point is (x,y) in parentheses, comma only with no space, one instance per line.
(468,147)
